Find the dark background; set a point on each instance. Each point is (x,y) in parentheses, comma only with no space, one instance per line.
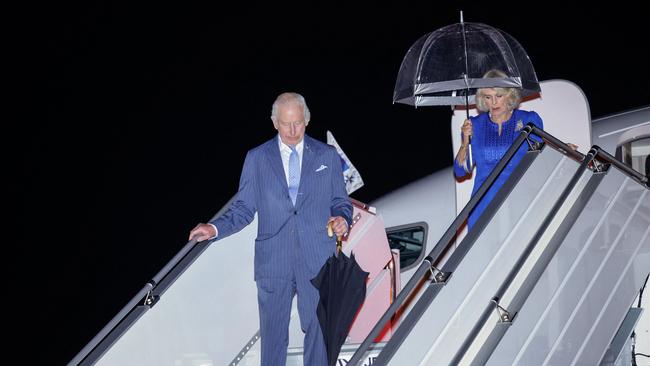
(150,109)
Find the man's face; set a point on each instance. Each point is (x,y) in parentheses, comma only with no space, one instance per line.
(290,123)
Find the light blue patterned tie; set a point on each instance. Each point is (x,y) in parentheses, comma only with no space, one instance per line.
(294,174)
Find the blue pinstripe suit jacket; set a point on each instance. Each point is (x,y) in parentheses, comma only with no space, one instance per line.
(285,233)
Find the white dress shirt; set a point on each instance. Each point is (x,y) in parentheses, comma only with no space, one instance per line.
(285,152)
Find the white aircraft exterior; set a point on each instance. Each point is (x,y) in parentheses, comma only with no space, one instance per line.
(571,298)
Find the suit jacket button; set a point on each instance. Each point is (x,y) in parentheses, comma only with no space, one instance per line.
(295,212)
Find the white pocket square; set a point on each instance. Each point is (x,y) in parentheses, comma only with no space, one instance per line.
(322,167)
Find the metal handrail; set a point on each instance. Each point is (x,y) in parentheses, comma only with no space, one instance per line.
(558,144)
(434,255)
(505,284)
(596,153)
(158,284)
(606,158)
(140,299)
(601,155)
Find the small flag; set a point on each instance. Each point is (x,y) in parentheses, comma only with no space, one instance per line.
(351,176)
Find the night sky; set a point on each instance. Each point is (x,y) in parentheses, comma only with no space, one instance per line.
(151,108)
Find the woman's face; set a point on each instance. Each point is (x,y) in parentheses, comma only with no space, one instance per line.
(496,101)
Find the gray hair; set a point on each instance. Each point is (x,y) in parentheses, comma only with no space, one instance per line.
(287,98)
(513,95)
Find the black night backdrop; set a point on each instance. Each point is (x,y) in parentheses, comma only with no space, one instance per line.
(151,107)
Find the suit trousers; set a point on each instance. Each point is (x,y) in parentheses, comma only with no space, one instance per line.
(274,298)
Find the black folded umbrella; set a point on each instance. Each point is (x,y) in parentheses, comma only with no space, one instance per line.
(341,284)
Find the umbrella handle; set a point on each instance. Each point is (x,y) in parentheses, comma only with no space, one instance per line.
(330,233)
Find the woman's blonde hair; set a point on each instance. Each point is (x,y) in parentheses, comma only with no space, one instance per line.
(513,95)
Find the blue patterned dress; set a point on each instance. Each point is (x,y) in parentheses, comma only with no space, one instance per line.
(488,148)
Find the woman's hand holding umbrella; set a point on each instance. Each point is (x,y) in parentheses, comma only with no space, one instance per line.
(465,147)
(466,129)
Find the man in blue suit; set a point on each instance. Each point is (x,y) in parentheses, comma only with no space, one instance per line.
(295,185)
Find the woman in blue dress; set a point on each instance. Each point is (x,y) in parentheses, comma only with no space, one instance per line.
(492,132)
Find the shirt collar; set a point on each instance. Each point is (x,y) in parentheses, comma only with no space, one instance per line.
(286,148)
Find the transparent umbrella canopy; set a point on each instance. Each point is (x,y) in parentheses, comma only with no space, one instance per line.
(446,66)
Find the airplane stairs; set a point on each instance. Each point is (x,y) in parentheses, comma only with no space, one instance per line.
(201,308)
(547,276)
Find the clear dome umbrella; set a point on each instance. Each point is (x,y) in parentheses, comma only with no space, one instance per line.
(446,66)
